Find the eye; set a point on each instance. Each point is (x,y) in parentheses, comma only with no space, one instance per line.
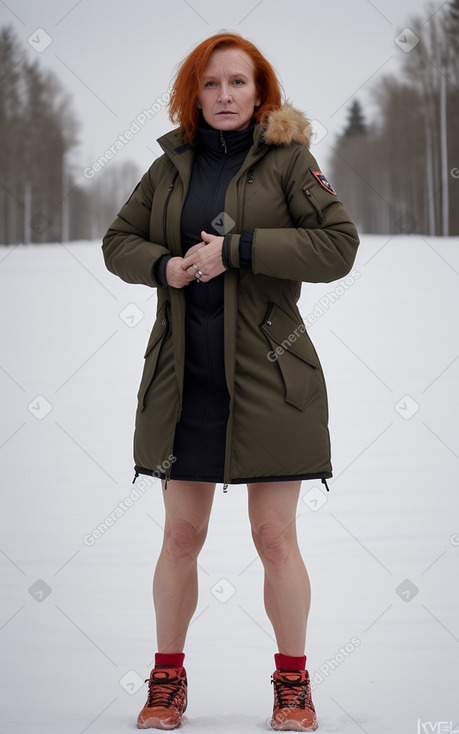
(209,84)
(238,82)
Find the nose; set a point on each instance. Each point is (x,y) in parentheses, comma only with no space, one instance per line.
(225,94)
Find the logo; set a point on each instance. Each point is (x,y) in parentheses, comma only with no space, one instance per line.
(324,182)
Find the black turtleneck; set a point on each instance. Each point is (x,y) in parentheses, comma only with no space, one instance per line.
(218,157)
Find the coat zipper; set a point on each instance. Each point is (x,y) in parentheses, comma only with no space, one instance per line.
(240,193)
(221,169)
(166,203)
(225,150)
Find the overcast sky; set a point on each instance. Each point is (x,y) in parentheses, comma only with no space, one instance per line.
(117,58)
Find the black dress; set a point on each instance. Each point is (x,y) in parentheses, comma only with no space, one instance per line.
(200,435)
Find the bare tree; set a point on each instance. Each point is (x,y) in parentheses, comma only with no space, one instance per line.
(37,129)
(11,115)
(109,191)
(409,156)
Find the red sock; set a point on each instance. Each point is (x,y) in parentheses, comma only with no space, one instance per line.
(286,662)
(169,660)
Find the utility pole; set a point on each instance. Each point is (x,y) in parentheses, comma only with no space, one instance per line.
(444,147)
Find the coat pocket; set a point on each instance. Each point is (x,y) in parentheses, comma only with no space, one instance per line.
(159,331)
(294,353)
(314,203)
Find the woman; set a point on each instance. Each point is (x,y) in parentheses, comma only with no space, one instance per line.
(226,224)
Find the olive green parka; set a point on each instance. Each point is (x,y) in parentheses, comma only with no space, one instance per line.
(278,420)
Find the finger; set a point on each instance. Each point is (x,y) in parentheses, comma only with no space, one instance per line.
(206,237)
(195,248)
(189,261)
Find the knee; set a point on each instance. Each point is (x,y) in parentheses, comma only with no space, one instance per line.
(182,540)
(274,543)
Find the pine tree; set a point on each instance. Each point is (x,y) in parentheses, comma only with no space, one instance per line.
(356,124)
(398,173)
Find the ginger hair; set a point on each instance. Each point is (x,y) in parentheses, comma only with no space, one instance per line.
(185,89)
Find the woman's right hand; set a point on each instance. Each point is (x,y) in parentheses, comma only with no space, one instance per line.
(175,275)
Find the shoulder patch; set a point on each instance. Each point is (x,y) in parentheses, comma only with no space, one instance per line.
(323,181)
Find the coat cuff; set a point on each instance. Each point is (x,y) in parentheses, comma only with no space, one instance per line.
(245,251)
(227,258)
(159,270)
(237,251)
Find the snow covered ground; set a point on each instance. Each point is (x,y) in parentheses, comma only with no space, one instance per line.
(76,619)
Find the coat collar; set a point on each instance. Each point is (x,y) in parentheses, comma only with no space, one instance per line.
(283,126)
(229,142)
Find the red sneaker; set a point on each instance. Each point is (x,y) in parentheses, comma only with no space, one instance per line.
(167,699)
(293,707)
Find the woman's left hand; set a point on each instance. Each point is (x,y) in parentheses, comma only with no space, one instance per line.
(207,259)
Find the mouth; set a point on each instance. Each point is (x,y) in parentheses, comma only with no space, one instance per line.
(226,112)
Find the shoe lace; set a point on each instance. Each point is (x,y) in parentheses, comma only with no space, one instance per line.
(163,692)
(292,693)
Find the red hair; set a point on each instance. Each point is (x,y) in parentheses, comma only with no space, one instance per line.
(185,89)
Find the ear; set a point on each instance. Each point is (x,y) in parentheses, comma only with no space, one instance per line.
(198,105)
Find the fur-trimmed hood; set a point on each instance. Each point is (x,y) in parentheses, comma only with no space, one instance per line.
(287,125)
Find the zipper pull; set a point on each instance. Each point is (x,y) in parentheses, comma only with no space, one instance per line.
(225,488)
(250,176)
(222,141)
(167,477)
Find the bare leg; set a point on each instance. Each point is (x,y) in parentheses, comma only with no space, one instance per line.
(175,584)
(287,593)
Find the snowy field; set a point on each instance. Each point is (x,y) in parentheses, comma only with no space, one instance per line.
(76,618)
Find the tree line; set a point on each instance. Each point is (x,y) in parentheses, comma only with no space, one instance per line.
(40,197)
(396,174)
(400,173)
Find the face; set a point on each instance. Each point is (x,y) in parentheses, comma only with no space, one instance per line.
(228,94)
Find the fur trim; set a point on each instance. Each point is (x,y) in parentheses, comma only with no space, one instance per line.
(287,125)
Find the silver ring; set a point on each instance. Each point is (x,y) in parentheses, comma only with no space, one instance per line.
(200,273)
